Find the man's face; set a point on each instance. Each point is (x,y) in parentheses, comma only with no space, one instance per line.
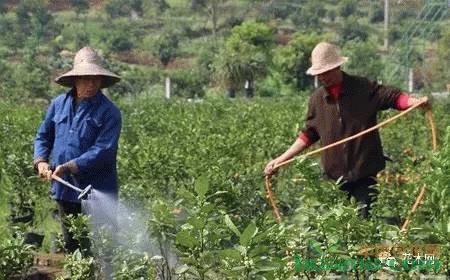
(87,86)
(331,77)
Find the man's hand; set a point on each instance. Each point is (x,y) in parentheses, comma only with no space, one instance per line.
(412,101)
(270,167)
(61,170)
(44,170)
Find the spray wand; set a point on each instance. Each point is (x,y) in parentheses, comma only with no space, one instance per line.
(83,193)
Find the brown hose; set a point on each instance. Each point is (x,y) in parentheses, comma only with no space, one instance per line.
(420,197)
(270,196)
(429,115)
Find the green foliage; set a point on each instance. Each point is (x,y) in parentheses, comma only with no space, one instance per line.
(81,6)
(376,13)
(77,267)
(268,87)
(121,8)
(189,83)
(310,16)
(32,77)
(109,28)
(162,5)
(166,47)
(219,225)
(245,55)
(16,258)
(347,7)
(351,29)
(2,6)
(292,60)
(363,59)
(132,266)
(279,10)
(34,18)
(78,226)
(121,37)
(439,69)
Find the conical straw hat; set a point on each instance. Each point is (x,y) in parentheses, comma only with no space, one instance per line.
(87,63)
(324,57)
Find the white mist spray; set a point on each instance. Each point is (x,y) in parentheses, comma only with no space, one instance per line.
(126,223)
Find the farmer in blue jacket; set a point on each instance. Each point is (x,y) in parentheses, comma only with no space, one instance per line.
(78,138)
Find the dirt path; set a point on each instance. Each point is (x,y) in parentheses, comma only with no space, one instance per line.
(46,267)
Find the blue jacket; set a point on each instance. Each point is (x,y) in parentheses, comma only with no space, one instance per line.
(88,136)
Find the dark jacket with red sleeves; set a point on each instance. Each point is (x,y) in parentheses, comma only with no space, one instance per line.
(329,121)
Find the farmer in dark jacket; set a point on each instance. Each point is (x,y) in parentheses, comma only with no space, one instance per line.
(78,138)
(342,107)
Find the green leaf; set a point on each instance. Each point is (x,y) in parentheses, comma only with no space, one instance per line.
(181,269)
(207,208)
(231,254)
(201,186)
(249,232)
(231,225)
(316,247)
(185,239)
(216,194)
(266,269)
(196,222)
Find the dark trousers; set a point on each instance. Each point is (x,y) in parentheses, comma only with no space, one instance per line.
(70,243)
(364,191)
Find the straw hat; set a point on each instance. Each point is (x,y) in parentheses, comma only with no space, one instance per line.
(324,57)
(87,63)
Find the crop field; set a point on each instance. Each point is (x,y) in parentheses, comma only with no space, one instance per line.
(194,171)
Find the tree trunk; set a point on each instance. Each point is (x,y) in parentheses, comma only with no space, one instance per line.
(214,18)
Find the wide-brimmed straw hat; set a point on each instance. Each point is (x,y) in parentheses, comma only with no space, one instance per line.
(324,57)
(87,63)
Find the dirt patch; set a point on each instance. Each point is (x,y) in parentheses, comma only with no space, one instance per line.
(59,5)
(63,5)
(46,267)
(180,63)
(136,57)
(282,39)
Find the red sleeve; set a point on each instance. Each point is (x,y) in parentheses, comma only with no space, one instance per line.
(402,101)
(305,139)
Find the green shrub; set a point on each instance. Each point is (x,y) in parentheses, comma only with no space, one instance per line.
(123,8)
(351,29)
(245,55)
(292,61)
(16,258)
(189,83)
(76,267)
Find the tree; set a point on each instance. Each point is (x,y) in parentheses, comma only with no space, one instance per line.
(439,72)
(166,47)
(32,76)
(123,8)
(211,7)
(310,16)
(2,6)
(162,5)
(364,59)
(81,6)
(34,19)
(120,35)
(351,29)
(292,60)
(245,56)
(376,13)
(347,8)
